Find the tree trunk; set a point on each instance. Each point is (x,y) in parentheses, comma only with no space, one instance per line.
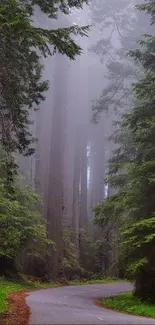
(55,187)
(38,171)
(76,194)
(83,196)
(145,286)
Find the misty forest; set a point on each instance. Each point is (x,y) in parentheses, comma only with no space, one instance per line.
(77,141)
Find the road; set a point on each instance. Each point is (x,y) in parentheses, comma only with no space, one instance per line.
(74,305)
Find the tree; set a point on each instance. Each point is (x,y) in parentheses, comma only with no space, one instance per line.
(22,45)
(120,29)
(134,203)
(115,20)
(56,171)
(22,230)
(119,19)
(125,26)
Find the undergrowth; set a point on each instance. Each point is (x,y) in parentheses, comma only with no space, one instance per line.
(127,302)
(7,286)
(95,281)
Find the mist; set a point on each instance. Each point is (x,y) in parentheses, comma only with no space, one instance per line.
(77,129)
(82,109)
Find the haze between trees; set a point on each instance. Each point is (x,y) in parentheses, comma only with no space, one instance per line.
(59,247)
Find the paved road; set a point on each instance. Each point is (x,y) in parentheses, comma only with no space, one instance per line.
(73,305)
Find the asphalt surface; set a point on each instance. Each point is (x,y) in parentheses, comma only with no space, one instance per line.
(74,305)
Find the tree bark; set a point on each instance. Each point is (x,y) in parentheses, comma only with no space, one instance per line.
(55,186)
(76,194)
(145,285)
(83,182)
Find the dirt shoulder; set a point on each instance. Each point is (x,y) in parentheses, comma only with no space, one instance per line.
(19,312)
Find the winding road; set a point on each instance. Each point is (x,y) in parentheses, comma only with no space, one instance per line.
(74,305)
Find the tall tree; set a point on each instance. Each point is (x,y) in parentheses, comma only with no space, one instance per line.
(134,203)
(76,192)
(56,175)
(22,44)
(117,37)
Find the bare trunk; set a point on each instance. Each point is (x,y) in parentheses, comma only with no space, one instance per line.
(76,195)
(38,171)
(55,187)
(145,285)
(83,200)
(97,165)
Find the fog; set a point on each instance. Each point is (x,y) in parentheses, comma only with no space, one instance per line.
(85,97)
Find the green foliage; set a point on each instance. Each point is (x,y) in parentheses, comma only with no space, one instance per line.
(148,7)
(88,252)
(20,222)
(95,281)
(117,18)
(94,256)
(51,8)
(22,45)
(127,302)
(134,204)
(91,255)
(70,261)
(107,210)
(7,286)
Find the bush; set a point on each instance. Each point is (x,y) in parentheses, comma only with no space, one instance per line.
(22,230)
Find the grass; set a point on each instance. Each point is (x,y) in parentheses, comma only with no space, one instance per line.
(8,286)
(95,281)
(127,302)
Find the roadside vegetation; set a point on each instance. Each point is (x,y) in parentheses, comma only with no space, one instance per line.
(8,286)
(95,281)
(127,302)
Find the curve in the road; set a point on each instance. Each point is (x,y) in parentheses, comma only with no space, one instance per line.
(74,305)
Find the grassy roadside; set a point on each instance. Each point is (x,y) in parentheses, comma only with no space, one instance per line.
(126,302)
(93,281)
(8,286)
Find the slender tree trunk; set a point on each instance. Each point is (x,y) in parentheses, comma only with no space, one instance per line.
(38,171)
(83,200)
(76,194)
(97,165)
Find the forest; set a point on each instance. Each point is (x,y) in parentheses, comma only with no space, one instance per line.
(77,148)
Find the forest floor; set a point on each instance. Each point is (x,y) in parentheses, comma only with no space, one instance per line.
(13,307)
(128,303)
